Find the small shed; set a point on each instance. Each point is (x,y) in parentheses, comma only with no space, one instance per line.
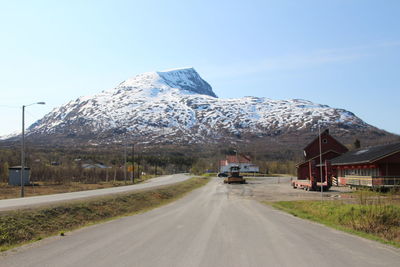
(14,176)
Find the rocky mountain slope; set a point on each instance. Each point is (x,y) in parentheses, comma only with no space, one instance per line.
(179,107)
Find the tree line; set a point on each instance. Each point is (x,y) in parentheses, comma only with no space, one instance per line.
(61,166)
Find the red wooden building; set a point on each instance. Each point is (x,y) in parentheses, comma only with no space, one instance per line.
(330,148)
(377,166)
(372,166)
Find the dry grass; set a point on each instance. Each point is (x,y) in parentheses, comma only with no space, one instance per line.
(367,197)
(369,214)
(41,188)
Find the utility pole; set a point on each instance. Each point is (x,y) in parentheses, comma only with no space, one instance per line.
(157,160)
(23,152)
(138,164)
(125,152)
(133,163)
(320,158)
(237,159)
(23,146)
(254,161)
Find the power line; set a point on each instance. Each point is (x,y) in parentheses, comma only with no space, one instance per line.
(6,106)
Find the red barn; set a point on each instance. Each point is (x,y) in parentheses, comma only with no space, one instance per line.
(330,148)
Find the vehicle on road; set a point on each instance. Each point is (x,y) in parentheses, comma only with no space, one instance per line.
(222,174)
(314,181)
(234,176)
(310,185)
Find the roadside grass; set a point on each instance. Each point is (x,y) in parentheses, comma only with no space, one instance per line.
(378,221)
(210,174)
(42,188)
(23,226)
(365,196)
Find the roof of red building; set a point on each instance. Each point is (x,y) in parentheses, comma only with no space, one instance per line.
(317,156)
(239,158)
(325,133)
(366,155)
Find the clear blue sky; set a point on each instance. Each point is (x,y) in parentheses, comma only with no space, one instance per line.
(342,53)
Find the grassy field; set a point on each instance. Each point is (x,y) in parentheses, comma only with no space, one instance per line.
(18,227)
(373,217)
(41,188)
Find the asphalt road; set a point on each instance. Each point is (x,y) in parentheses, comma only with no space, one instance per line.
(209,227)
(27,202)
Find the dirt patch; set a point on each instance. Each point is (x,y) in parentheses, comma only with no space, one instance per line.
(279,189)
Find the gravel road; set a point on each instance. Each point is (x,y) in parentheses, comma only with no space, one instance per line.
(212,226)
(28,202)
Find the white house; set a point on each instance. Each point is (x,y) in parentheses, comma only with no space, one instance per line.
(244,163)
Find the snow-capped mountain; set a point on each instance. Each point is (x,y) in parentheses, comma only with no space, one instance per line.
(178,106)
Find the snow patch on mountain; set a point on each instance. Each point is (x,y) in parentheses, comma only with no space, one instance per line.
(179,106)
(10,135)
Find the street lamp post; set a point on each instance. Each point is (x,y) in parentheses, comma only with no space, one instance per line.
(23,145)
(237,159)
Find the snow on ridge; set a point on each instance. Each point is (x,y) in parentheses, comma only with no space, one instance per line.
(187,79)
(177,69)
(166,103)
(10,135)
(184,79)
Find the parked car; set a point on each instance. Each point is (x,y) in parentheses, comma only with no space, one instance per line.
(222,174)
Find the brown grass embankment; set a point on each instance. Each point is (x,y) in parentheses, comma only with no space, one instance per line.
(48,188)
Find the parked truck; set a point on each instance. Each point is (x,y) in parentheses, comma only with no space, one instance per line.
(314,183)
(234,176)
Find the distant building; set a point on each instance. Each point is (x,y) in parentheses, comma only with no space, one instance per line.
(244,162)
(95,166)
(14,176)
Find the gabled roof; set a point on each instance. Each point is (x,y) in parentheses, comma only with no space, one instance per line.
(18,168)
(317,156)
(326,132)
(366,155)
(94,165)
(240,158)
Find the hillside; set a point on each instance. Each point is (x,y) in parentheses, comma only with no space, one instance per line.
(179,107)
